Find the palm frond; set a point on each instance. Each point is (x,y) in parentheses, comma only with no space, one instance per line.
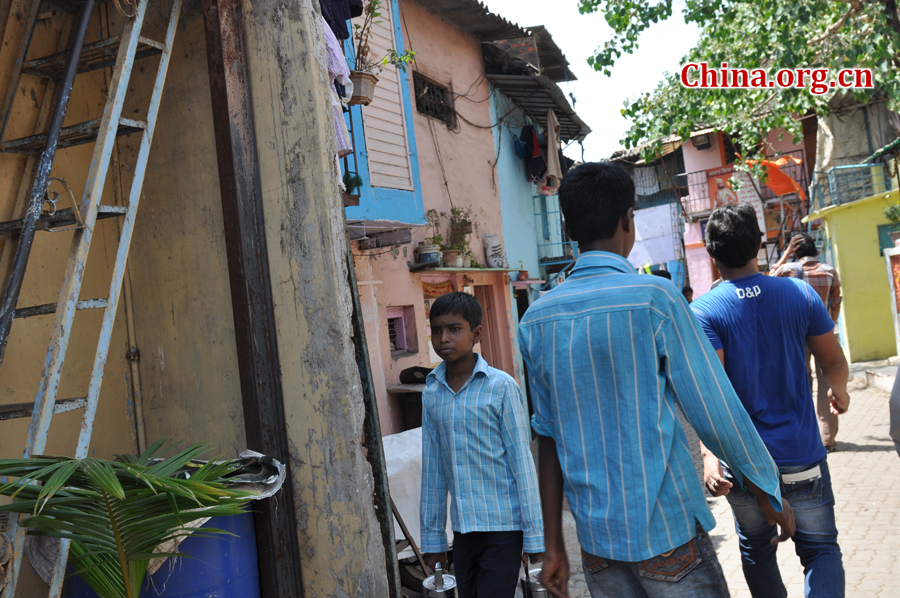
(117,513)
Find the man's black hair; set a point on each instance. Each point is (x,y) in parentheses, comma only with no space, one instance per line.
(733,235)
(807,247)
(593,198)
(663,273)
(687,289)
(460,304)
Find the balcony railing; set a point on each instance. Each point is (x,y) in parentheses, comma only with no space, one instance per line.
(696,202)
(554,246)
(844,184)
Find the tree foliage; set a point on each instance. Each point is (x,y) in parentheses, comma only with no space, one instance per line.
(751,34)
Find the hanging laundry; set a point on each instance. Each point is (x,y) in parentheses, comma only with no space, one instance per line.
(645,180)
(554,171)
(535,166)
(340,75)
(337,13)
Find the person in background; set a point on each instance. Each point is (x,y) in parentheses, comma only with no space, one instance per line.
(895,411)
(760,327)
(609,353)
(825,281)
(475,444)
(688,293)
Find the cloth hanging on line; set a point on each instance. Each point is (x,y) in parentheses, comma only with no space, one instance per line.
(535,166)
(340,75)
(554,171)
(645,180)
(338,12)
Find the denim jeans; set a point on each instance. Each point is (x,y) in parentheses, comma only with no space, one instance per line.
(689,571)
(815,541)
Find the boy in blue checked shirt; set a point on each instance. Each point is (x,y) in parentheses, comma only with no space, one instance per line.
(475,437)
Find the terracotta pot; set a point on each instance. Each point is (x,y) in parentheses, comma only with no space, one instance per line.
(363,88)
(452,259)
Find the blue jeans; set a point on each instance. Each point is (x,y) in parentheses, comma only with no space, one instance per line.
(815,541)
(689,571)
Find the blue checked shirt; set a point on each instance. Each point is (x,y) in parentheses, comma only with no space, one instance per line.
(475,444)
(609,353)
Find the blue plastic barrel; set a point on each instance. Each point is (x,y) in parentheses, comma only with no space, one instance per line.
(222,567)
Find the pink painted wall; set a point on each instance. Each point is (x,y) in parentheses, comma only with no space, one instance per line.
(695,159)
(453,166)
(774,145)
(458,165)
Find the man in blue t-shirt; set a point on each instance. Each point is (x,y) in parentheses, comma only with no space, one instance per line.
(760,327)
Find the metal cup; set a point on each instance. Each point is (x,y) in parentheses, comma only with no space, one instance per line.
(439,585)
(531,587)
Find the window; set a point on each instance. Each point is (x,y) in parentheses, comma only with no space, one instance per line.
(396,334)
(884,237)
(401,327)
(434,100)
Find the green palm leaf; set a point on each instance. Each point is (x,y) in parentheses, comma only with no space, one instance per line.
(116,513)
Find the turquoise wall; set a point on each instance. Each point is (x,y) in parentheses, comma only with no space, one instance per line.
(516,193)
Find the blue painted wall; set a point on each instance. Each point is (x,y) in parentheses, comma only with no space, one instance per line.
(380,203)
(516,193)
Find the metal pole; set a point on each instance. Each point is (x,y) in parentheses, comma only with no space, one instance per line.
(42,175)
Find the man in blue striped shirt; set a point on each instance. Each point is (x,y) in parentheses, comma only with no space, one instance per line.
(475,444)
(609,353)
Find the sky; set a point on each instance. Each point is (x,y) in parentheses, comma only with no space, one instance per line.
(599,98)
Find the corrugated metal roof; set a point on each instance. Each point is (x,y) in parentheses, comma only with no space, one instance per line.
(553,63)
(474,17)
(535,95)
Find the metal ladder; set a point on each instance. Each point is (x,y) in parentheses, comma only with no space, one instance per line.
(82,218)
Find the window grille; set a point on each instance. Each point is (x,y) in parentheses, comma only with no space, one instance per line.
(397,334)
(434,100)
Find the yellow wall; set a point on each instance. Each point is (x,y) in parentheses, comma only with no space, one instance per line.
(866,319)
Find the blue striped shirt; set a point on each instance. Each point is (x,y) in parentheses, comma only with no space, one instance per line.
(475,444)
(608,354)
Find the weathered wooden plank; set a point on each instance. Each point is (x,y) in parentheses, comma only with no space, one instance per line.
(251,290)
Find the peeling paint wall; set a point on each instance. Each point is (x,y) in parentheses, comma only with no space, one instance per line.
(182,298)
(338,530)
(182,306)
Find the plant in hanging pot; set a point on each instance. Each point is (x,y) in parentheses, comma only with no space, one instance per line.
(364,74)
(117,513)
(892,213)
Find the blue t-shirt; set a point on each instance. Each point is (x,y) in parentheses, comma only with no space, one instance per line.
(762,323)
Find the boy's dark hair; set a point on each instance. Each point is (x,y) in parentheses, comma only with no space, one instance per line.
(461,304)
(593,198)
(686,290)
(733,235)
(806,248)
(662,273)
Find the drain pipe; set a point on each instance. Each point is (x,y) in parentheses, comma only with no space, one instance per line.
(41,180)
(134,356)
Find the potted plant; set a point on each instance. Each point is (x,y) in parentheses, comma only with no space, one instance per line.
(352,182)
(429,250)
(116,513)
(892,213)
(365,71)
(459,229)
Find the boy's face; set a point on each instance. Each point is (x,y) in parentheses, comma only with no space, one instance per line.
(452,337)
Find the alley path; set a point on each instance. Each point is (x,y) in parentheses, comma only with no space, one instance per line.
(866,476)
